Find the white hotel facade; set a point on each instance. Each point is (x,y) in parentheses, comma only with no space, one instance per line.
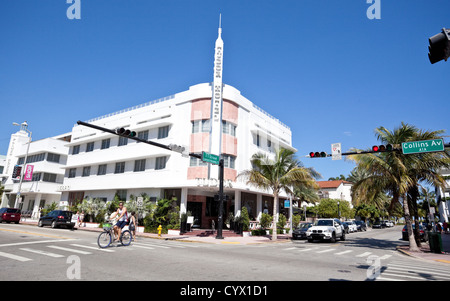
(211,117)
(101,165)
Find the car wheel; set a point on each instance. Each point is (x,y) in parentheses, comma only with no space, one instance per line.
(343,236)
(333,237)
(40,224)
(54,224)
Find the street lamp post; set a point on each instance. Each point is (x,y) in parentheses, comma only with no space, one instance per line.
(23,127)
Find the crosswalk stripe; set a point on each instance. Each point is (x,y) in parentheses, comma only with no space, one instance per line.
(42,252)
(143,247)
(92,248)
(15,257)
(150,245)
(343,252)
(364,254)
(325,251)
(70,250)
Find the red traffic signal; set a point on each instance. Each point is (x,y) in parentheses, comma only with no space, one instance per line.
(317,154)
(382,148)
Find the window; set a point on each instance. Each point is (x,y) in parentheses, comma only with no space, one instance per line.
(49,177)
(163,132)
(75,150)
(160,162)
(72,172)
(228,128)
(228,161)
(201,126)
(101,170)
(120,167)
(53,157)
(36,177)
(123,141)
(105,143)
(89,147)
(139,165)
(86,171)
(197,162)
(143,135)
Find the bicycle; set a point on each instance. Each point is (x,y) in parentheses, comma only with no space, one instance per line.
(106,237)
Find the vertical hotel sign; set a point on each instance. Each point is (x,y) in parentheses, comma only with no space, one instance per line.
(216,104)
(28,175)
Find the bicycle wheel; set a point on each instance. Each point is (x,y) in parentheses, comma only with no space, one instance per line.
(125,238)
(104,239)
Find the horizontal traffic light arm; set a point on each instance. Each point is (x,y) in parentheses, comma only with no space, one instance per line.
(446,145)
(134,138)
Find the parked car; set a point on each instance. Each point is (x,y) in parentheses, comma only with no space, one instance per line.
(10,215)
(57,218)
(346,228)
(326,229)
(378,225)
(423,233)
(300,232)
(361,226)
(352,226)
(388,223)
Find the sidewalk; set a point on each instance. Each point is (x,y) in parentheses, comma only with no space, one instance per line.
(426,254)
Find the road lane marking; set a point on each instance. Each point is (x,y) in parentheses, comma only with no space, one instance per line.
(343,252)
(15,257)
(92,248)
(33,242)
(70,250)
(42,252)
(33,233)
(325,251)
(364,254)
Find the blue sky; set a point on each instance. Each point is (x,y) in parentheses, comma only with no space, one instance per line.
(321,66)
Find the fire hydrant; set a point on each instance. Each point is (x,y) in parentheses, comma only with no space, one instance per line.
(159,231)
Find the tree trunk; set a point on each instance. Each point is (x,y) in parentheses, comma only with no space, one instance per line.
(275,211)
(412,241)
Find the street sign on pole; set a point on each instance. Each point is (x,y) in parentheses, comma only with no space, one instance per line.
(336,153)
(424,146)
(210,158)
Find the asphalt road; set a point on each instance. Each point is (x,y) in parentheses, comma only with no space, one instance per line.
(30,253)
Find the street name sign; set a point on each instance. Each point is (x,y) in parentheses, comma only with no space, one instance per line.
(210,158)
(424,146)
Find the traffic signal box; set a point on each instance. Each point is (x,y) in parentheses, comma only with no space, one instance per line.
(439,48)
(317,154)
(382,148)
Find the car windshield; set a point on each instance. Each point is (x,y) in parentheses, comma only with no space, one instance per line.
(11,210)
(325,222)
(302,226)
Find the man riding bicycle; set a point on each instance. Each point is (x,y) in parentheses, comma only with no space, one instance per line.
(122,220)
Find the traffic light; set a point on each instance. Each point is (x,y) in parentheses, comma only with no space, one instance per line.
(17,171)
(125,133)
(317,154)
(439,48)
(382,148)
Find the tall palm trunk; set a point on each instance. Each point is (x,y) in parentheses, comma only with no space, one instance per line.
(412,242)
(275,215)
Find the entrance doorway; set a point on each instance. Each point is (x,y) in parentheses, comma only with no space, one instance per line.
(196,209)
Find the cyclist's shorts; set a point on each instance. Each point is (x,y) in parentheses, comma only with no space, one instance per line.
(121,224)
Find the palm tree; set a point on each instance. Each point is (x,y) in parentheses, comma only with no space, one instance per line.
(397,173)
(283,172)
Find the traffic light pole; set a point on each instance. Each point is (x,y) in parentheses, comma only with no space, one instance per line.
(220,219)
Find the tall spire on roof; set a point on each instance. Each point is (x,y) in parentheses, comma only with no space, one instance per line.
(215,142)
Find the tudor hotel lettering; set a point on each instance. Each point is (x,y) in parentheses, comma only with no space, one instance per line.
(217,84)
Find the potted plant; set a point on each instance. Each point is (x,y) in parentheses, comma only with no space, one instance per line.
(245,220)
